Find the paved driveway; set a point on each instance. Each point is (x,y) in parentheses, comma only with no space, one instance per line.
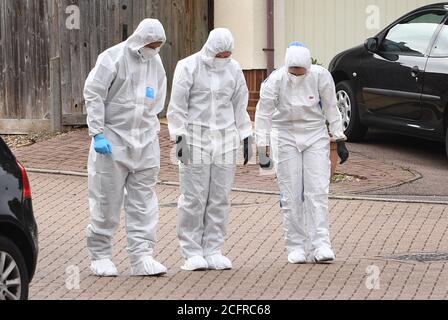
(426,157)
(369,238)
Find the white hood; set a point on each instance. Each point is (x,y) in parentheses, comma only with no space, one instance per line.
(219,40)
(148,31)
(298,57)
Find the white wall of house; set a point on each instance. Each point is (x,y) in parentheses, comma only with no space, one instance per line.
(329,27)
(326,26)
(247,21)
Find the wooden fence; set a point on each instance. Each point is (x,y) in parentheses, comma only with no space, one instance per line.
(45,55)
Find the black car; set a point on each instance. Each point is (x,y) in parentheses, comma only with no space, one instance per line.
(18,229)
(398,80)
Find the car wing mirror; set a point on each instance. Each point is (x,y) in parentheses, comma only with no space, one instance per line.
(372,45)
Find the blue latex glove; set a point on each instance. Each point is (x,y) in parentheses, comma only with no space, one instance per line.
(102,145)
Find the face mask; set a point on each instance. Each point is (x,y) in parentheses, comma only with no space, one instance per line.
(296,79)
(221,63)
(148,53)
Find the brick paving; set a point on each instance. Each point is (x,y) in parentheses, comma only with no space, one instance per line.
(70,151)
(364,233)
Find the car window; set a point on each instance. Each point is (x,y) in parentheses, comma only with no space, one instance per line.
(412,36)
(441,47)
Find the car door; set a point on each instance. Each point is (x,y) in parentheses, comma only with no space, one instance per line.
(435,88)
(393,76)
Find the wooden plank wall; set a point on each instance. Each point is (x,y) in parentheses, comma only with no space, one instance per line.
(104,23)
(34,31)
(24,60)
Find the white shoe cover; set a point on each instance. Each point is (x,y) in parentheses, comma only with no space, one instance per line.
(323,255)
(148,267)
(297,257)
(104,268)
(195,264)
(218,262)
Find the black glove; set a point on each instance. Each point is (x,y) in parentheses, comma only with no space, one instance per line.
(265,160)
(182,151)
(343,152)
(248,152)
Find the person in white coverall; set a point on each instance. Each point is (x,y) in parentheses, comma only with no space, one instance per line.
(297,101)
(124,93)
(208,119)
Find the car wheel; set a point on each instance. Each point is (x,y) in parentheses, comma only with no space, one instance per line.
(354,129)
(14,280)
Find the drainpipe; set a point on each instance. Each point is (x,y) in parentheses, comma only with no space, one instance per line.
(270,22)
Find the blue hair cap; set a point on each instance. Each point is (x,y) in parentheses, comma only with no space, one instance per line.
(296,44)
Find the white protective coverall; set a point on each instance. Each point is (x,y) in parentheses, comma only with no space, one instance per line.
(291,118)
(209,107)
(124,93)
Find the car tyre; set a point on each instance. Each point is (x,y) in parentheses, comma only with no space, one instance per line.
(354,129)
(14,278)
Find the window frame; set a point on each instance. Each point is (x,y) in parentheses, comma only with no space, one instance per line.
(382,36)
(436,40)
